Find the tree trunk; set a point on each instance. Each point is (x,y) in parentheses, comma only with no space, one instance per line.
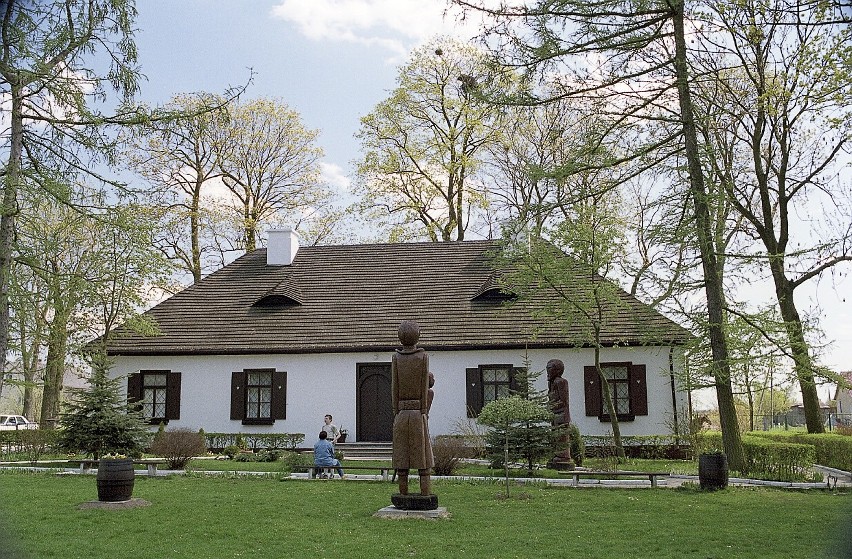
(54,373)
(798,347)
(610,406)
(8,212)
(194,232)
(713,286)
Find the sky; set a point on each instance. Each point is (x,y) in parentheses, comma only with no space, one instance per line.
(333,61)
(330,60)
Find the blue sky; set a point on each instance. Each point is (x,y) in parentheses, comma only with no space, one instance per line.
(332,61)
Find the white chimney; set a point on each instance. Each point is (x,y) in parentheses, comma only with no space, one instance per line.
(282,246)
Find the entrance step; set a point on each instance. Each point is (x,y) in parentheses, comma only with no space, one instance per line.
(366,450)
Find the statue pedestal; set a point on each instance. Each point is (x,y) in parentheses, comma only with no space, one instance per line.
(561,464)
(395,513)
(414,502)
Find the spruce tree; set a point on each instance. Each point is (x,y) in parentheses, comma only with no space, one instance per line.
(97,420)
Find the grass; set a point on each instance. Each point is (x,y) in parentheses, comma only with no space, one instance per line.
(673,466)
(224,517)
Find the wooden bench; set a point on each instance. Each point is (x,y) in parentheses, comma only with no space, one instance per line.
(151,463)
(605,474)
(330,470)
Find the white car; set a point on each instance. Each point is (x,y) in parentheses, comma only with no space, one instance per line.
(13,422)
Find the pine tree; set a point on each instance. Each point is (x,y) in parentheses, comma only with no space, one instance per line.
(97,419)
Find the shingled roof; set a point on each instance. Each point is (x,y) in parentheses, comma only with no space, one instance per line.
(352,298)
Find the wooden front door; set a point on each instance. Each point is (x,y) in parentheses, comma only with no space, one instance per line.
(375,414)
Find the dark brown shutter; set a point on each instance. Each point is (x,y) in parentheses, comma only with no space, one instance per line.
(134,388)
(592,385)
(173,395)
(238,395)
(518,381)
(638,390)
(474,391)
(279,395)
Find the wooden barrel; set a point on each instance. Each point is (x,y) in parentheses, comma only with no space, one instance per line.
(115,480)
(713,471)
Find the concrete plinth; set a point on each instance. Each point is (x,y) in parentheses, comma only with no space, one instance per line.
(414,502)
(561,464)
(395,513)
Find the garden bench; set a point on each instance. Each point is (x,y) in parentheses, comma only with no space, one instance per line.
(605,474)
(151,463)
(314,470)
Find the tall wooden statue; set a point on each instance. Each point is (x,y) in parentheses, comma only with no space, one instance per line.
(412,448)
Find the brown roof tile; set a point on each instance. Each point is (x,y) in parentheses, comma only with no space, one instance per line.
(353,297)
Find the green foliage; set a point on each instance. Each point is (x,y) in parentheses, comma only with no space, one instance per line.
(261,456)
(577,444)
(448,452)
(424,145)
(179,446)
(769,459)
(514,409)
(255,441)
(32,443)
(520,429)
(832,450)
(98,420)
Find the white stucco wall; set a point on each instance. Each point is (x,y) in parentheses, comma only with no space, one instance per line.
(325,383)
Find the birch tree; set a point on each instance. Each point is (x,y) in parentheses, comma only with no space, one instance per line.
(782,85)
(270,163)
(636,56)
(423,146)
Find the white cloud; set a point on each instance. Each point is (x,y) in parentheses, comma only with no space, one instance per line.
(333,175)
(396,25)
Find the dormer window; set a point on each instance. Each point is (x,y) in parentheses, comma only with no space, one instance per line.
(494,295)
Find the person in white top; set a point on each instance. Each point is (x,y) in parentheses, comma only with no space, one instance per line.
(331,429)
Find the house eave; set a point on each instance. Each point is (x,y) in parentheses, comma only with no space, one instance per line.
(371,348)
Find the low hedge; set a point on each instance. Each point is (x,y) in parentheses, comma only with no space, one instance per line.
(254,441)
(650,447)
(769,459)
(832,450)
(32,443)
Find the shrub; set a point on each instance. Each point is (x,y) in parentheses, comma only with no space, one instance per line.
(35,442)
(448,452)
(578,446)
(768,457)
(521,428)
(178,446)
(292,459)
(255,441)
(832,450)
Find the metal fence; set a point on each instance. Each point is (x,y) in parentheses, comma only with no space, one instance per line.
(796,418)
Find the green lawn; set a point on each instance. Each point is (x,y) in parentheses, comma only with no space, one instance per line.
(673,466)
(223,517)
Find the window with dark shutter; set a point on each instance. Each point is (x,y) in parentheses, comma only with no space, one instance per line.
(592,388)
(628,390)
(487,383)
(638,390)
(173,395)
(258,396)
(156,393)
(279,395)
(238,399)
(474,391)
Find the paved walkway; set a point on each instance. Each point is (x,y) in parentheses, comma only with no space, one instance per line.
(833,478)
